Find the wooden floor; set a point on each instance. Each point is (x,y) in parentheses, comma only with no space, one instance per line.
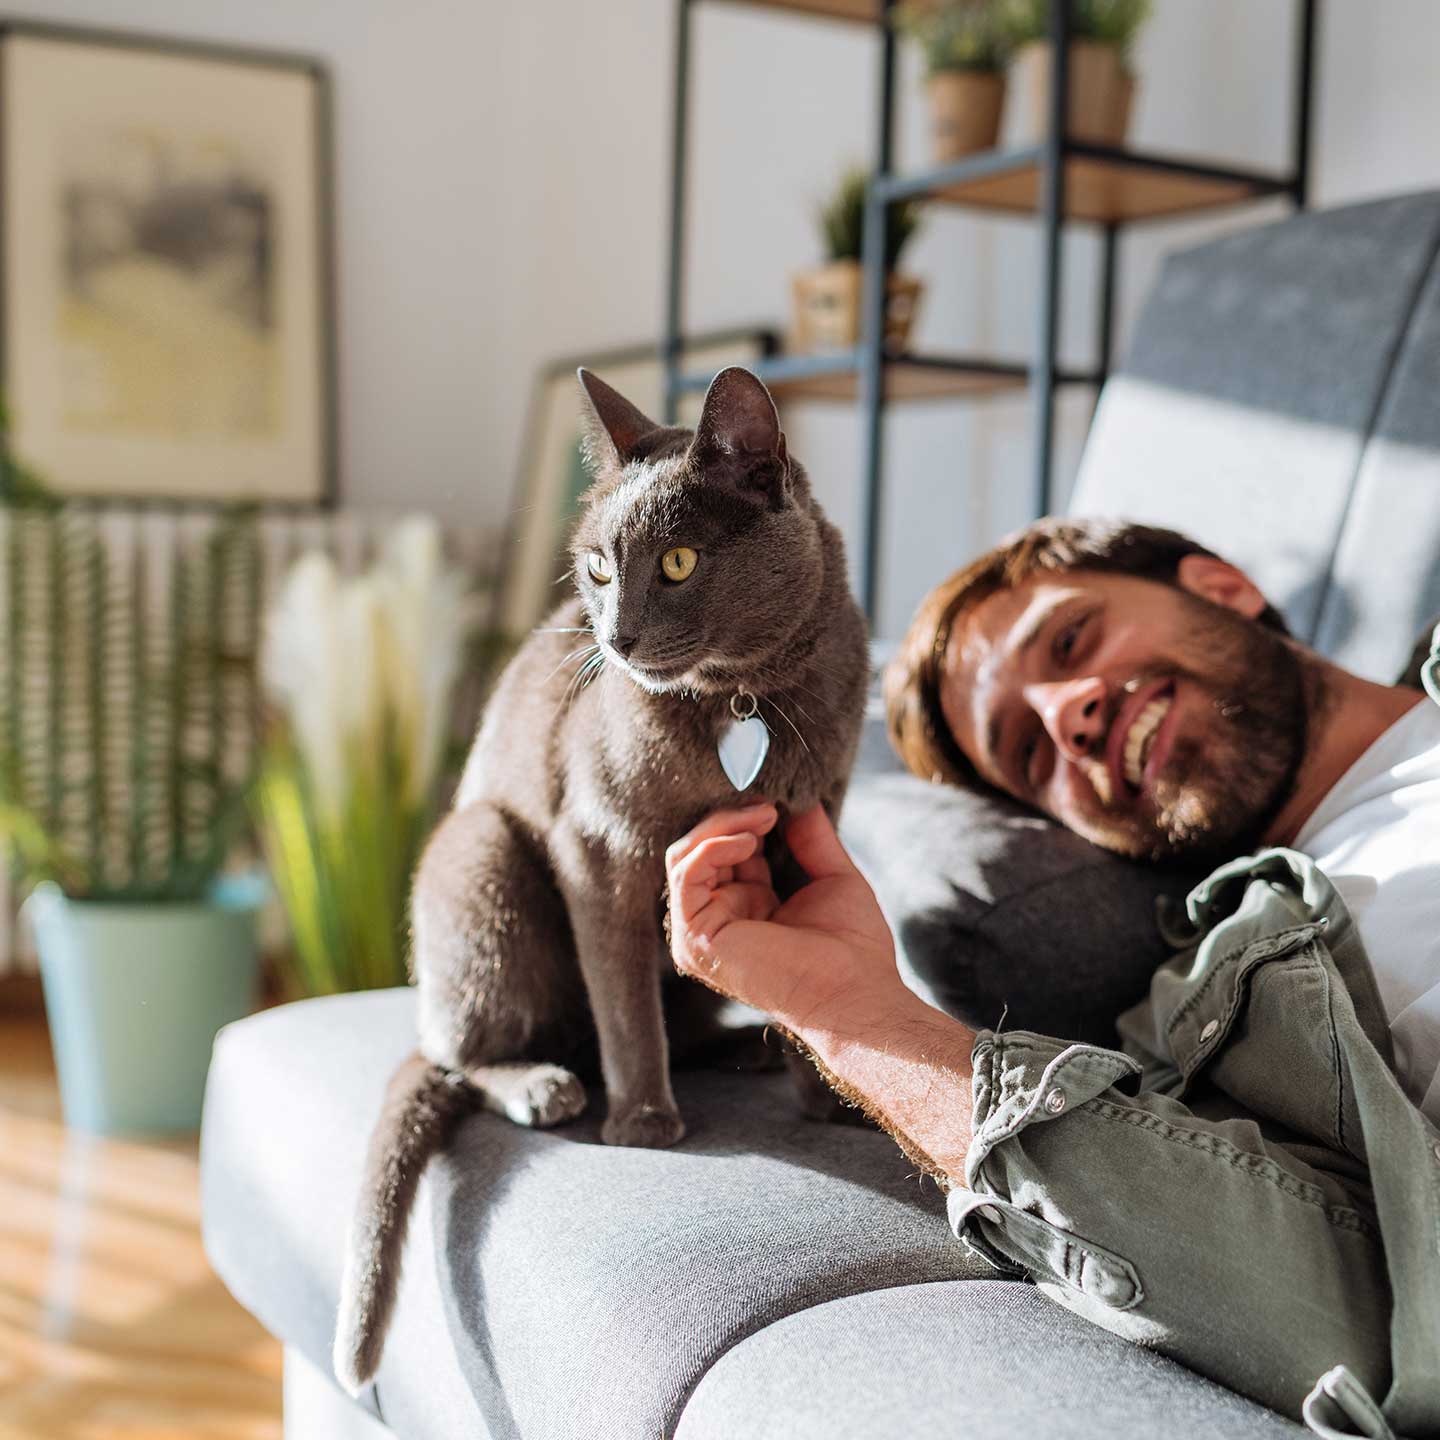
(111,1323)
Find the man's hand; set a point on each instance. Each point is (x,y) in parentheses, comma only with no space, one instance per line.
(823,965)
(821,959)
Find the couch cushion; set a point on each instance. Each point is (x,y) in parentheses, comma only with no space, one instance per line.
(288,1106)
(984,1360)
(998,911)
(589,1287)
(580,1289)
(1257,369)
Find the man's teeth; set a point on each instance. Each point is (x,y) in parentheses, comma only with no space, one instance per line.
(1141,737)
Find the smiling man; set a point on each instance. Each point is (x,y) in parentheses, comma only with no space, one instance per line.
(1252,1183)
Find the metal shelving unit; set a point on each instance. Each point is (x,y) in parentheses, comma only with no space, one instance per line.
(1059,181)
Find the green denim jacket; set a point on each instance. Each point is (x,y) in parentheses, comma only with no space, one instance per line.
(1244,1186)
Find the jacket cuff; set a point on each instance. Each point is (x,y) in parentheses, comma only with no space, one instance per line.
(1023,1079)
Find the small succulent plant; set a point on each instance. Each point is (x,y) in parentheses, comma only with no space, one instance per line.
(842,219)
(956,34)
(1106,22)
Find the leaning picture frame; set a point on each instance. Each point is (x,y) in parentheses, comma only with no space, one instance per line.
(552,475)
(166,271)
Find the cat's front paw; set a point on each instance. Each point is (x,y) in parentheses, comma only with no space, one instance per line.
(647,1127)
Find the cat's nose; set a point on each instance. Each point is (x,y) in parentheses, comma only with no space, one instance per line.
(625,643)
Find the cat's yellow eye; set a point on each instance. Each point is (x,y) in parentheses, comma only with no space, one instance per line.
(599,568)
(678,564)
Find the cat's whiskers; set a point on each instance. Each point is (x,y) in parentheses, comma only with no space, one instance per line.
(788,684)
(570,688)
(586,650)
(585,674)
(804,713)
(787,720)
(815,667)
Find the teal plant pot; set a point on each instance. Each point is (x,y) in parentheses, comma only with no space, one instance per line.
(135,994)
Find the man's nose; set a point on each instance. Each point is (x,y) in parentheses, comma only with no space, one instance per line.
(1073,711)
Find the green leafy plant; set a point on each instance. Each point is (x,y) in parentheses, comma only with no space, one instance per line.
(128,702)
(842,221)
(361,674)
(956,34)
(1106,22)
(19,485)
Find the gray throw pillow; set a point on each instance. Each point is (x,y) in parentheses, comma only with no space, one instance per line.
(999,911)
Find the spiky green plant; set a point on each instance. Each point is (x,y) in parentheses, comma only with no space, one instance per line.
(343,878)
(956,34)
(842,221)
(361,673)
(1106,22)
(127,742)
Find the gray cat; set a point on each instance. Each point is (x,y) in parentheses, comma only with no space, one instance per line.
(712,587)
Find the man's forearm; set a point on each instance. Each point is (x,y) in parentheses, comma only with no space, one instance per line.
(909,1069)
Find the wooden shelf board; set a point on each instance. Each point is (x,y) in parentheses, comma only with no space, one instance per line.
(865,12)
(903,381)
(1109,191)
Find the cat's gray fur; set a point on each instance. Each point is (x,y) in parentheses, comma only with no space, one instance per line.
(537,915)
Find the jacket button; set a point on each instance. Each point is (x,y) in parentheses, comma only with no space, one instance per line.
(1208,1033)
(1055,1101)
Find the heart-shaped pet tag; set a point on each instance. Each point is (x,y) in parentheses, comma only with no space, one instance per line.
(742,749)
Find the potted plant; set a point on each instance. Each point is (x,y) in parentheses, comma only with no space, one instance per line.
(360,674)
(827,299)
(120,812)
(964,48)
(1101,78)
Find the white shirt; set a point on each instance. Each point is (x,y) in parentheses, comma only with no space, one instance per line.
(1376,836)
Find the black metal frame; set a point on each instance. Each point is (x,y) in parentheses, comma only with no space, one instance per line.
(1043,370)
(258,58)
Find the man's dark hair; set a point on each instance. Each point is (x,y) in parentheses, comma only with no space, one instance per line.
(917,725)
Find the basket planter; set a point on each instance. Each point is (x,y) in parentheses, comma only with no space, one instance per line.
(965,107)
(827,307)
(135,995)
(1102,91)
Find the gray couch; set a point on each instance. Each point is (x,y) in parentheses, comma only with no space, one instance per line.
(770,1277)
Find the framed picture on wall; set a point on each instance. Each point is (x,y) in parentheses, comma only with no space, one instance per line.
(552,474)
(165,292)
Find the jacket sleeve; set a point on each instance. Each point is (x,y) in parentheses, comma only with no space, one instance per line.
(1198,1235)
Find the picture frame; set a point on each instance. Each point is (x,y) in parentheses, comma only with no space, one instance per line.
(166,268)
(535,562)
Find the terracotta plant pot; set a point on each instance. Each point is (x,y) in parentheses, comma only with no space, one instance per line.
(827,307)
(1101,92)
(965,108)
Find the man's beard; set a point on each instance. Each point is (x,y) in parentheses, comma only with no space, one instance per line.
(1220,789)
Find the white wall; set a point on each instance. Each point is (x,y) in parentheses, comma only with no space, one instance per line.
(501,199)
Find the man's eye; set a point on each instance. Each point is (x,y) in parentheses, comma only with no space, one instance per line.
(1037,762)
(1027,759)
(1066,640)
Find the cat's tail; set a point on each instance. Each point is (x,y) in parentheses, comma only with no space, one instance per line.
(421,1105)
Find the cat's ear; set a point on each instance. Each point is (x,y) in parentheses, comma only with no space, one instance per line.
(739,434)
(613,426)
